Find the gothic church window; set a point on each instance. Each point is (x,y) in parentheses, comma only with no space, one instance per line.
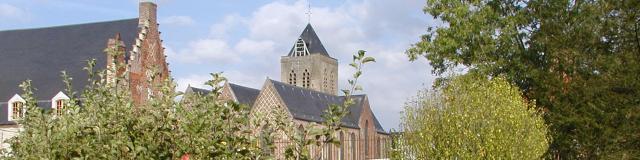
(353,146)
(366,138)
(341,154)
(18,110)
(378,147)
(292,78)
(306,79)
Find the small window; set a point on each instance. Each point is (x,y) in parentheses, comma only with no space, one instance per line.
(306,79)
(18,110)
(341,154)
(353,146)
(292,78)
(60,106)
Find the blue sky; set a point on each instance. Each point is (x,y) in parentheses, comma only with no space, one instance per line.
(246,38)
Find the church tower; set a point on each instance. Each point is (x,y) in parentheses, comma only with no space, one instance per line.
(308,64)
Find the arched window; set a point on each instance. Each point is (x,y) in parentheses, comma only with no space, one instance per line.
(265,140)
(301,131)
(378,146)
(366,138)
(306,79)
(353,146)
(59,106)
(292,78)
(331,81)
(341,151)
(18,110)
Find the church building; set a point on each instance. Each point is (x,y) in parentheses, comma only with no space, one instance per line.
(41,54)
(308,85)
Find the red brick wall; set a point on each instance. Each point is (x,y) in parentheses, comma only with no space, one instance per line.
(147,68)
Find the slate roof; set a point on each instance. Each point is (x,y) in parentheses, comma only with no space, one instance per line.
(244,95)
(191,90)
(309,105)
(312,41)
(41,54)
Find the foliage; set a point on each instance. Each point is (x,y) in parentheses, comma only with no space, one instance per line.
(325,133)
(472,118)
(104,123)
(577,59)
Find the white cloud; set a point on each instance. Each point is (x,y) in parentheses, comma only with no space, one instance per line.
(205,51)
(10,12)
(229,22)
(178,21)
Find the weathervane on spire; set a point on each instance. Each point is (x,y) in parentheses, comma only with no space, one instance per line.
(308,11)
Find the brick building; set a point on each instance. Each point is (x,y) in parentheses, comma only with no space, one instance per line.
(309,78)
(41,54)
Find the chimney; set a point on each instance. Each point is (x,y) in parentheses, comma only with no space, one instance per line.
(147,13)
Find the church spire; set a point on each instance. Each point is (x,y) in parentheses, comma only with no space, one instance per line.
(308,12)
(308,43)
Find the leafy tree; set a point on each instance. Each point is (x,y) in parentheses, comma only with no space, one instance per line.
(472,118)
(103,122)
(578,60)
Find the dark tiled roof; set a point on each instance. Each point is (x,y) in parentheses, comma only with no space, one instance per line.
(200,91)
(40,54)
(244,95)
(309,105)
(312,41)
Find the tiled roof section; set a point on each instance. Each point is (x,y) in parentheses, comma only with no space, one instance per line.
(244,95)
(309,105)
(41,54)
(312,41)
(191,90)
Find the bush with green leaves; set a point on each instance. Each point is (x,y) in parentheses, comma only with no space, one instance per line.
(103,122)
(472,117)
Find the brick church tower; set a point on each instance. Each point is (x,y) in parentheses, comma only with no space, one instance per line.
(308,64)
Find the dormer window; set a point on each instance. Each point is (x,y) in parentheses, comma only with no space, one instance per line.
(59,106)
(300,48)
(18,110)
(59,103)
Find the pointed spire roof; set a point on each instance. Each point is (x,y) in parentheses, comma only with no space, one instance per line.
(312,42)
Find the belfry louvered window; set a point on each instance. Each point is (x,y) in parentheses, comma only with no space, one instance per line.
(306,79)
(292,78)
(301,48)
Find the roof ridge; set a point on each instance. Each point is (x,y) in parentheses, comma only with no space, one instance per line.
(242,86)
(304,89)
(67,25)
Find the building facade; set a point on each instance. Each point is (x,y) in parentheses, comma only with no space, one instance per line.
(308,86)
(41,54)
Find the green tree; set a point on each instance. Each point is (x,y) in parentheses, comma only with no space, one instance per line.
(103,123)
(472,118)
(579,60)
